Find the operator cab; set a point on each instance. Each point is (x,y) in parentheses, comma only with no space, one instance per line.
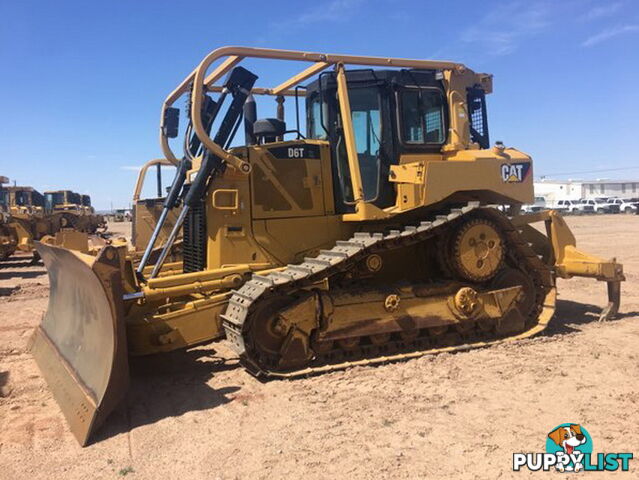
(62,199)
(393,112)
(29,198)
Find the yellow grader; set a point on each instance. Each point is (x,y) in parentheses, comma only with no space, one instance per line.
(371,236)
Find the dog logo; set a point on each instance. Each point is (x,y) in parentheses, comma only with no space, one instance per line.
(571,441)
(569,449)
(514,172)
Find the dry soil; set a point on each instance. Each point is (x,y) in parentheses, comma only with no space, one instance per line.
(198,415)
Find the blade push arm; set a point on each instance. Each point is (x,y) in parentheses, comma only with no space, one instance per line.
(569,261)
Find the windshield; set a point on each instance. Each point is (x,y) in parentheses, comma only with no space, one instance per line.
(54,198)
(21,198)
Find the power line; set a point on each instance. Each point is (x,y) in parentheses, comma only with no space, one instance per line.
(590,171)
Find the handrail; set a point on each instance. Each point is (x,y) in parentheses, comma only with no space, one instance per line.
(235,54)
(196,114)
(142,175)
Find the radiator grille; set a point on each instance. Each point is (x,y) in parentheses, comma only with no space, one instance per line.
(194,240)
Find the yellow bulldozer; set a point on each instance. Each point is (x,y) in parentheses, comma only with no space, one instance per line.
(144,218)
(26,206)
(71,210)
(34,217)
(8,237)
(21,219)
(370,234)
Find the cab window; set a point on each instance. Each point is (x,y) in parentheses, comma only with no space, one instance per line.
(315,129)
(422,116)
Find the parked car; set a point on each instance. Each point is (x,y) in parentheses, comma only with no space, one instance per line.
(540,204)
(585,207)
(574,207)
(635,202)
(625,205)
(603,205)
(613,205)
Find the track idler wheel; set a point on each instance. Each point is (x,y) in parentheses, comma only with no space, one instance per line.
(267,331)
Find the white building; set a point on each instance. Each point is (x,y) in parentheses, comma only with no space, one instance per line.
(611,188)
(554,190)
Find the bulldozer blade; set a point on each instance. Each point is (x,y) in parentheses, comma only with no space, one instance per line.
(80,346)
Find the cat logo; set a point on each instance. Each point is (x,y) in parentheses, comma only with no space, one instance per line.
(514,172)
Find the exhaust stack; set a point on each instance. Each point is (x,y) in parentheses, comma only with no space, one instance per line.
(250,116)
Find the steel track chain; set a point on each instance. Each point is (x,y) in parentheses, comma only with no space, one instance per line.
(340,258)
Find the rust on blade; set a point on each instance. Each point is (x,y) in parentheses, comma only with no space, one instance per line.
(80,346)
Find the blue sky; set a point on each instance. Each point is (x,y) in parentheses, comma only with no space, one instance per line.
(82,82)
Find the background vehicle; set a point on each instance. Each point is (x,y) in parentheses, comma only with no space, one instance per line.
(21,221)
(120,215)
(144,218)
(26,206)
(72,210)
(603,205)
(365,240)
(613,205)
(624,205)
(8,238)
(540,204)
(585,207)
(86,204)
(634,201)
(573,207)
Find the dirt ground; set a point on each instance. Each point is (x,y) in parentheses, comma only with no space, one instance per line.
(462,416)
